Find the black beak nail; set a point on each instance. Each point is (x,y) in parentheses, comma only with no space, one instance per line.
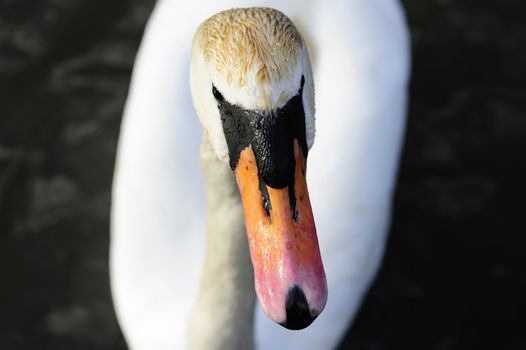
(297,308)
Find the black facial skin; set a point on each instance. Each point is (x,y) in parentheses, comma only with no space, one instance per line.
(271,135)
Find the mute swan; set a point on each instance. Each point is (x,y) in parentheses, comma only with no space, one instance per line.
(174,286)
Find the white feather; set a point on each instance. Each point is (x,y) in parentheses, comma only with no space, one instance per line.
(360,54)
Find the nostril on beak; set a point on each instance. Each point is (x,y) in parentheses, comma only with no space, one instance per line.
(297,308)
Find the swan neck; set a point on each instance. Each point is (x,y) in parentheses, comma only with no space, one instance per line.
(226,288)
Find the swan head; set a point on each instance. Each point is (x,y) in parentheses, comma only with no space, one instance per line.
(252,89)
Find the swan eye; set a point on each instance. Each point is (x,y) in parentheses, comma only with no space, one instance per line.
(217,94)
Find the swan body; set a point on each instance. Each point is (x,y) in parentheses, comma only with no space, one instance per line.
(164,253)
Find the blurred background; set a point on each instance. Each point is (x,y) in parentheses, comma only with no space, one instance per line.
(454,274)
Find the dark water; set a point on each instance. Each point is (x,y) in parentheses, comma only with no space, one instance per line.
(454,276)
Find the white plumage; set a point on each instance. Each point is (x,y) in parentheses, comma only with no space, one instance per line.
(360,57)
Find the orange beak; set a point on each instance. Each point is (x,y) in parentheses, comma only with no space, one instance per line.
(289,276)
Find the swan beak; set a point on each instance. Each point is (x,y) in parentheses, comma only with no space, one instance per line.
(289,276)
